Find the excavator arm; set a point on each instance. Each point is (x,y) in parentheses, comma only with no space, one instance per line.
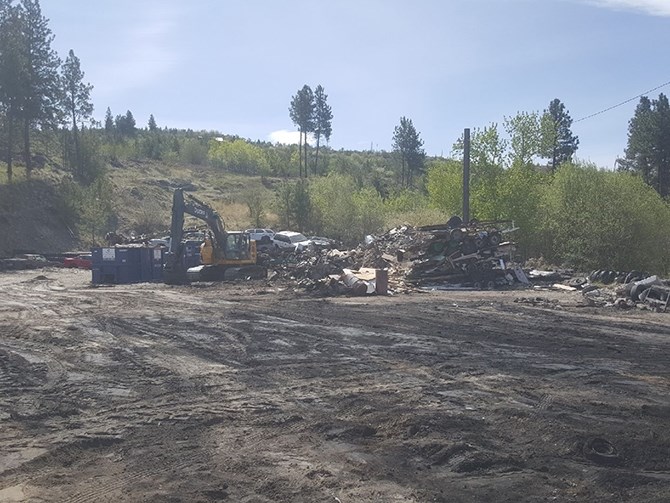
(186,204)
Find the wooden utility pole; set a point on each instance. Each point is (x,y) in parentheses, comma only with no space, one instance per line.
(466,176)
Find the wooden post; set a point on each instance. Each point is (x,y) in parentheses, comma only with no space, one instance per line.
(466,176)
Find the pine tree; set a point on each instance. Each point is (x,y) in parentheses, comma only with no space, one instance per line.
(323,115)
(77,101)
(558,142)
(41,105)
(109,122)
(152,123)
(125,125)
(408,144)
(648,149)
(301,112)
(11,85)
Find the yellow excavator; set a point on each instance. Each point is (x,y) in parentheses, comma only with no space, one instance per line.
(224,254)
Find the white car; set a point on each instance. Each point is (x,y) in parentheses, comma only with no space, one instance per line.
(287,240)
(262,235)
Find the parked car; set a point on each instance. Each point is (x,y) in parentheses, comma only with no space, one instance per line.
(262,235)
(289,240)
(80,262)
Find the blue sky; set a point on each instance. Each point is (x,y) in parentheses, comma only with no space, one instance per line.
(233,66)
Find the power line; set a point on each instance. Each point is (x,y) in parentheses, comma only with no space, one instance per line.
(623,102)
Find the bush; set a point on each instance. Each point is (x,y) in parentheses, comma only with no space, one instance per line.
(343,211)
(445,187)
(521,191)
(606,220)
(238,156)
(193,151)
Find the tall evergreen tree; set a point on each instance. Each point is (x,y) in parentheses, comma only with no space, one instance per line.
(77,101)
(301,112)
(323,116)
(109,122)
(648,149)
(152,123)
(11,72)
(125,125)
(408,144)
(558,142)
(41,105)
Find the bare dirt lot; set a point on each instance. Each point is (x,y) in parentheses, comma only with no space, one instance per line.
(254,393)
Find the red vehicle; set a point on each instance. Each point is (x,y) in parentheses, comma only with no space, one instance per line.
(81,261)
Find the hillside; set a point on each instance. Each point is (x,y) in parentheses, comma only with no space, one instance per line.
(34,213)
(32,219)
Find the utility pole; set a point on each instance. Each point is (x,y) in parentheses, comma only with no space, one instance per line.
(466,176)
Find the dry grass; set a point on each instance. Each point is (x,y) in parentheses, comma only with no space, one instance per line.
(144,192)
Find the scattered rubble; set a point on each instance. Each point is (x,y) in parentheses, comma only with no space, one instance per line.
(626,290)
(455,256)
(410,258)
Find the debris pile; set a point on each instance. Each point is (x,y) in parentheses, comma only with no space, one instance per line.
(473,255)
(453,253)
(649,292)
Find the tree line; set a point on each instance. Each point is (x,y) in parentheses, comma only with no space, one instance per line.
(38,91)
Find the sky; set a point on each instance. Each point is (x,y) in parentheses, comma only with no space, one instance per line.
(234,65)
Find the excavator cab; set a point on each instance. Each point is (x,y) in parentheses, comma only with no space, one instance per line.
(236,247)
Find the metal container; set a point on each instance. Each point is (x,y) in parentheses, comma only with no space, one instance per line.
(381,281)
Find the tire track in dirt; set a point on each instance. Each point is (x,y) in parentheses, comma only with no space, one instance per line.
(305,398)
(106,488)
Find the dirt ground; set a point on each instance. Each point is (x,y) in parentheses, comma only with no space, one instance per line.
(258,393)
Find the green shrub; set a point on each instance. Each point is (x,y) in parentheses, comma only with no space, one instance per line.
(606,220)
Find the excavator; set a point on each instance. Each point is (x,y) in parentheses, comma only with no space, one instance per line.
(224,254)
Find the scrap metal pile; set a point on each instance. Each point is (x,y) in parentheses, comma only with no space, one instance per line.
(626,290)
(473,255)
(451,254)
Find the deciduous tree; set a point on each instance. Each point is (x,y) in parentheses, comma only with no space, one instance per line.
(525,137)
(487,155)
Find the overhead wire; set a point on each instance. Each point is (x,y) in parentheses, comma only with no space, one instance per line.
(623,102)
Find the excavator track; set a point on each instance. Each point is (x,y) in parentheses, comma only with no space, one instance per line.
(224,273)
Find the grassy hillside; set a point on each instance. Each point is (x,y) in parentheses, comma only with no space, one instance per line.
(34,214)
(143,193)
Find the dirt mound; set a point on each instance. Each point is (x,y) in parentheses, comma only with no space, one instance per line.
(32,219)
